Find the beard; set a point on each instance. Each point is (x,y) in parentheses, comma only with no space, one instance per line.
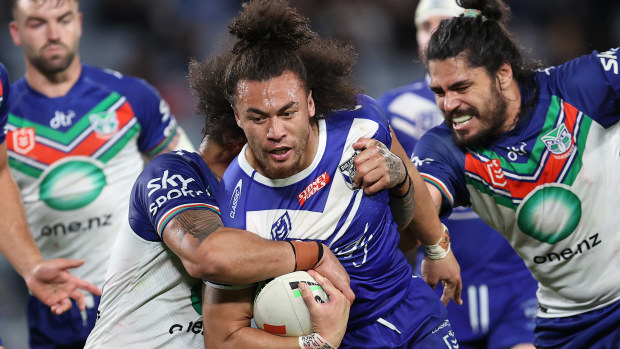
(54,65)
(275,170)
(492,119)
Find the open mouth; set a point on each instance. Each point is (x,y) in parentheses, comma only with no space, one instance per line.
(461,121)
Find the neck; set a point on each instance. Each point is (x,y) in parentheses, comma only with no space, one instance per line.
(513,108)
(56,84)
(218,156)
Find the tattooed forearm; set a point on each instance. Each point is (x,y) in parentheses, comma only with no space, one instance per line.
(197,223)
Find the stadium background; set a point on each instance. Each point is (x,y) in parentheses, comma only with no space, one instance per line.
(154,39)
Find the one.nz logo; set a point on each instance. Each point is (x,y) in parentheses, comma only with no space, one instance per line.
(347,169)
(281,228)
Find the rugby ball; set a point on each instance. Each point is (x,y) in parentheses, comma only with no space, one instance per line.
(280,309)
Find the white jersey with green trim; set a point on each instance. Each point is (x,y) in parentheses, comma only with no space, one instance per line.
(149,300)
(551,185)
(75,158)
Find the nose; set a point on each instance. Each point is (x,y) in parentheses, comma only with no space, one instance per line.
(451,102)
(276,129)
(53,32)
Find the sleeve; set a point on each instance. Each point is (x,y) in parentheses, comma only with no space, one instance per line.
(170,184)
(441,164)
(158,125)
(5,88)
(591,83)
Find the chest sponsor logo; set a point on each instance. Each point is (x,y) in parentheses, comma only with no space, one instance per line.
(170,187)
(281,228)
(558,141)
(104,123)
(24,140)
(347,168)
(319,183)
(494,169)
(62,119)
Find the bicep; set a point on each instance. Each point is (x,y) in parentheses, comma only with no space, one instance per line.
(188,229)
(436,196)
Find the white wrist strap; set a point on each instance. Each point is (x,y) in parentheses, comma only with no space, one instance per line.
(314,341)
(441,249)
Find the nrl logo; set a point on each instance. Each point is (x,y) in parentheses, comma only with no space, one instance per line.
(24,140)
(347,169)
(558,141)
(104,123)
(281,228)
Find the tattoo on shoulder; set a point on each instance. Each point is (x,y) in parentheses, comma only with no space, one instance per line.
(197,223)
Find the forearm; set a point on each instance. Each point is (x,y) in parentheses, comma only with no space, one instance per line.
(248,337)
(425,222)
(234,256)
(16,242)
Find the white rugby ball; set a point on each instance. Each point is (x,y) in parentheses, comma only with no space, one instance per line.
(280,309)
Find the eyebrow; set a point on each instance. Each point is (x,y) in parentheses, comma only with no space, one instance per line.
(36,18)
(260,112)
(454,86)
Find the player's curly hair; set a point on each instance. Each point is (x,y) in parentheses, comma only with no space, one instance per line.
(486,43)
(271,37)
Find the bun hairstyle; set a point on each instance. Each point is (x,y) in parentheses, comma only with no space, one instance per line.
(268,38)
(269,24)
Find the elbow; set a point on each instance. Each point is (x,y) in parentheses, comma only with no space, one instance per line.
(206,264)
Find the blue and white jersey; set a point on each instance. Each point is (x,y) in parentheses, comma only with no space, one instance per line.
(149,300)
(320,203)
(550,185)
(5,87)
(412,111)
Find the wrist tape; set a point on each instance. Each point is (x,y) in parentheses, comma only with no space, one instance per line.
(441,249)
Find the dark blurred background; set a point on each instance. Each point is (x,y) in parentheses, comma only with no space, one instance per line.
(154,39)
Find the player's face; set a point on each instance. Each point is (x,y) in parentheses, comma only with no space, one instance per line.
(49,32)
(470,100)
(275,116)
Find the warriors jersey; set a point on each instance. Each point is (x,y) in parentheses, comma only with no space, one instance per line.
(75,158)
(412,111)
(550,185)
(5,87)
(149,300)
(320,203)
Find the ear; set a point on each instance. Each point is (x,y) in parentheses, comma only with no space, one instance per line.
(237,118)
(15,33)
(504,76)
(311,106)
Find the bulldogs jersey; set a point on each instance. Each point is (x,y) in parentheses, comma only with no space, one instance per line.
(5,87)
(75,158)
(550,185)
(320,203)
(149,300)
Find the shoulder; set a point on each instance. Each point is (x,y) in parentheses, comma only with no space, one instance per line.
(418,87)
(114,80)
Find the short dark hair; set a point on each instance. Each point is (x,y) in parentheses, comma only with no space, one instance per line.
(269,38)
(485,42)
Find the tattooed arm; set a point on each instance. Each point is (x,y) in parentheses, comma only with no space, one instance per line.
(216,253)
(378,168)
